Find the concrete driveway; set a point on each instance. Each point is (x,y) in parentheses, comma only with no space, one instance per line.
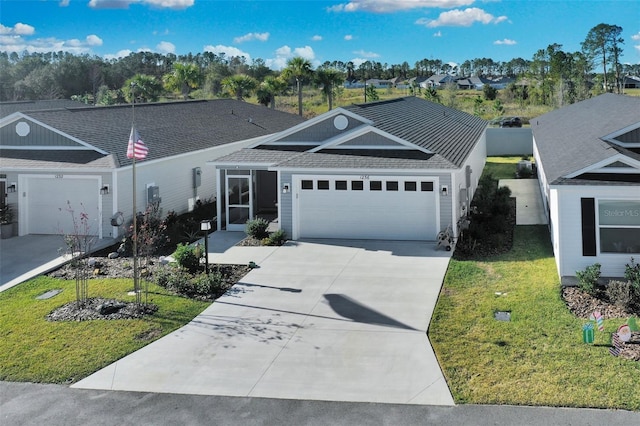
(22,258)
(319,320)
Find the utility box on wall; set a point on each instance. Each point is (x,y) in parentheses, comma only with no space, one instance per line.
(153,195)
(197,177)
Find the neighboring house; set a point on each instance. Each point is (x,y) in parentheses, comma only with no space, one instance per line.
(588,159)
(438,81)
(473,83)
(501,82)
(478,82)
(419,81)
(379,84)
(78,155)
(353,84)
(631,82)
(401,169)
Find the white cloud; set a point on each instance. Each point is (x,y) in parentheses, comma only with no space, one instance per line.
(461,18)
(229,51)
(124,4)
(358,61)
(166,47)
(18,29)
(366,54)
(438,34)
(252,36)
(505,41)
(12,41)
(94,40)
(635,36)
(120,54)
(348,37)
(284,53)
(316,38)
(385,6)
(64,3)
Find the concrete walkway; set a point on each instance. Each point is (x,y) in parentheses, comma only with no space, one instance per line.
(529,207)
(318,320)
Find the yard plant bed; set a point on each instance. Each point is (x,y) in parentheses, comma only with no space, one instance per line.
(122,267)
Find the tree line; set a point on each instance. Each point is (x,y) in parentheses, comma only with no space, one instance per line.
(552,76)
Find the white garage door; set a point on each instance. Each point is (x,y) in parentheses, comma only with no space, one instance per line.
(47,209)
(388,208)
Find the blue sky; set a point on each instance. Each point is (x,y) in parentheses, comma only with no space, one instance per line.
(388,31)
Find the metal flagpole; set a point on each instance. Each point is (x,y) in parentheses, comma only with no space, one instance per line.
(136,285)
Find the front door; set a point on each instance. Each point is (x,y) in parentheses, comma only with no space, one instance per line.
(239,196)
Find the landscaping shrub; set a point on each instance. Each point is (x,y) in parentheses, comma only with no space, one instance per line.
(620,293)
(205,285)
(257,228)
(188,257)
(588,279)
(174,279)
(182,282)
(276,238)
(492,220)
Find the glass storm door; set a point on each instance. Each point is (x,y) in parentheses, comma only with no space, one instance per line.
(239,196)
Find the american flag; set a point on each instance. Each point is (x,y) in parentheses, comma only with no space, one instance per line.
(136,147)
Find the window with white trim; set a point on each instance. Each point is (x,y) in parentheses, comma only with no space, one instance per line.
(619,226)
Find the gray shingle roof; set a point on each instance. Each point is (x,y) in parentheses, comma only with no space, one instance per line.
(168,129)
(336,161)
(8,108)
(314,160)
(570,138)
(55,159)
(446,131)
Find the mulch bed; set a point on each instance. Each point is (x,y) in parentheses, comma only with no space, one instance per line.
(122,267)
(582,305)
(100,309)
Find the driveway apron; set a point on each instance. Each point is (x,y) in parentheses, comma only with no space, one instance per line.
(320,320)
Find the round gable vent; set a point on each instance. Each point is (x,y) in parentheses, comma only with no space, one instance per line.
(22,128)
(340,122)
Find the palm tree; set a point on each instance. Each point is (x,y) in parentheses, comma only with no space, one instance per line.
(269,89)
(300,69)
(239,85)
(145,87)
(184,77)
(327,79)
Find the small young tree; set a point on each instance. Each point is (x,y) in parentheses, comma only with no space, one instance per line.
(78,245)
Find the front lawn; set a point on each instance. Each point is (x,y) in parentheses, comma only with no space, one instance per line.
(537,358)
(36,350)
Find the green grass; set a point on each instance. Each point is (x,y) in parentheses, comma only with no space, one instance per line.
(36,350)
(502,167)
(537,358)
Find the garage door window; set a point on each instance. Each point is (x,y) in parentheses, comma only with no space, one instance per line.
(392,185)
(341,185)
(357,185)
(426,186)
(323,184)
(307,184)
(375,185)
(410,186)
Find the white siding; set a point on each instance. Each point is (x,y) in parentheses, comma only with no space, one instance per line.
(567,231)
(174,178)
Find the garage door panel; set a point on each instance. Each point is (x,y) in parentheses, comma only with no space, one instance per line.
(50,200)
(366,214)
